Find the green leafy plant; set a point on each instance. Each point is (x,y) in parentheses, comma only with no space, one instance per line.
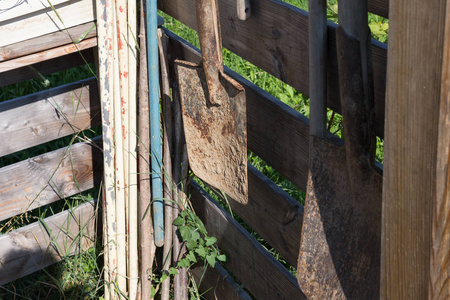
(200,246)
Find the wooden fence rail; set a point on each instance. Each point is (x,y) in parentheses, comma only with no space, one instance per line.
(48,115)
(47,241)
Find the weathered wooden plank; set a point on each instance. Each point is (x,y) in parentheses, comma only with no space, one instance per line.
(45,116)
(379,7)
(273,214)
(47,67)
(218,284)
(47,55)
(414,74)
(275,132)
(11,9)
(49,177)
(47,241)
(440,249)
(48,41)
(275,38)
(259,271)
(44,20)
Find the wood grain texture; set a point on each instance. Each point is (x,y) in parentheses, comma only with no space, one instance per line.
(261,273)
(275,132)
(47,241)
(47,55)
(45,116)
(47,20)
(49,177)
(218,284)
(416,39)
(273,214)
(275,39)
(48,41)
(379,7)
(47,67)
(440,249)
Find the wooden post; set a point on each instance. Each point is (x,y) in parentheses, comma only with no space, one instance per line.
(414,74)
(440,245)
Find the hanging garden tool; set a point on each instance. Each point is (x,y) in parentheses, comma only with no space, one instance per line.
(340,243)
(214,112)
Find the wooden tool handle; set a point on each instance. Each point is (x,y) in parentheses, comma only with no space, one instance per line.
(243,9)
(318,67)
(208,24)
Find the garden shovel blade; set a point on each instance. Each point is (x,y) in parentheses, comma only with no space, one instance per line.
(340,243)
(214,112)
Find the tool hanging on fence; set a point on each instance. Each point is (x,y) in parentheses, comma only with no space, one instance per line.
(214,112)
(340,244)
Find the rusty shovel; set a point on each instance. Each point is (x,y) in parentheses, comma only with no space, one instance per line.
(340,240)
(214,112)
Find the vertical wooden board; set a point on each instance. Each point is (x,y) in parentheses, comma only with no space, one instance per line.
(258,270)
(49,177)
(216,283)
(45,242)
(412,111)
(440,250)
(45,116)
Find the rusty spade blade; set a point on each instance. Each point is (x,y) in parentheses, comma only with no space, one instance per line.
(340,243)
(214,112)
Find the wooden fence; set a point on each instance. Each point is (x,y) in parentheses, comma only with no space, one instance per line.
(275,39)
(36,119)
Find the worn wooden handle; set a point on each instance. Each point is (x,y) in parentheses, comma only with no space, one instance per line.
(243,9)
(208,24)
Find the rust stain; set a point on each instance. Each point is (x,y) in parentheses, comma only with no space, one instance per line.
(119,39)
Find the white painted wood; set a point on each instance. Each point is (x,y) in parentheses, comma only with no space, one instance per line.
(11,9)
(46,20)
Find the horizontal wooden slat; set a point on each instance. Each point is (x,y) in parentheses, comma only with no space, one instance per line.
(275,132)
(259,271)
(47,41)
(273,214)
(379,7)
(47,67)
(45,116)
(43,243)
(217,284)
(47,55)
(49,177)
(275,38)
(47,20)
